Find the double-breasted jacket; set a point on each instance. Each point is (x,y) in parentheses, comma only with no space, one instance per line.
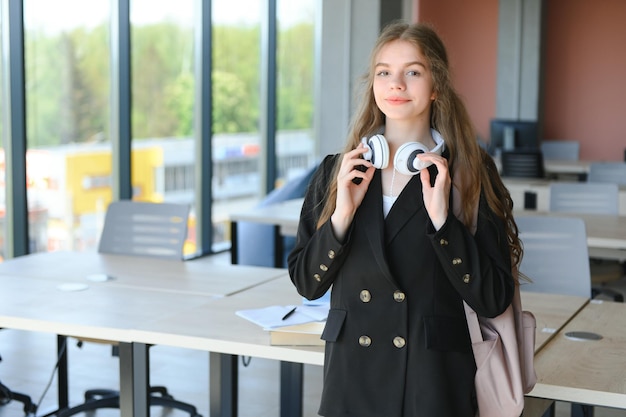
(397,342)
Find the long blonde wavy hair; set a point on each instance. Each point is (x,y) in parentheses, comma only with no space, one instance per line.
(471,168)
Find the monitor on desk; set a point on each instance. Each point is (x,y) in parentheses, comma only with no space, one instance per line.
(508,135)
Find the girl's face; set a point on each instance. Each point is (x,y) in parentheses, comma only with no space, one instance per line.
(403,83)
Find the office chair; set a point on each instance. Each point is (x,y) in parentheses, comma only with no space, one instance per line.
(556,259)
(145,230)
(526,163)
(562,150)
(584,197)
(565,150)
(592,198)
(613,172)
(6,396)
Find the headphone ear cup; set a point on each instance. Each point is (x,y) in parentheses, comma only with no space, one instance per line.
(406,161)
(379,151)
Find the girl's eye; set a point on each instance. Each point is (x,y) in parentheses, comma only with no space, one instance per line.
(413,73)
(382,73)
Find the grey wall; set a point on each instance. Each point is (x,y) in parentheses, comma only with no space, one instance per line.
(519,59)
(347,31)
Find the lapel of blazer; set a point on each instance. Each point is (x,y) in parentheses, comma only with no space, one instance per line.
(408,204)
(371,213)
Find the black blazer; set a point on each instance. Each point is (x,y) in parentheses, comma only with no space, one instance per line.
(397,342)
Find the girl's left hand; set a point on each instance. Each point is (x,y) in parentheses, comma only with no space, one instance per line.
(437,196)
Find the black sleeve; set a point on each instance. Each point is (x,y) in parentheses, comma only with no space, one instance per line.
(479,265)
(317,255)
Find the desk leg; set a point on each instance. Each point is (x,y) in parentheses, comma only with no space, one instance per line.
(62,376)
(62,372)
(279,248)
(538,407)
(291,375)
(582,410)
(134,380)
(223,382)
(233,243)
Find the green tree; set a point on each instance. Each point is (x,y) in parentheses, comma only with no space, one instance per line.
(66,86)
(179,98)
(162,56)
(236,60)
(68,82)
(230,112)
(295,77)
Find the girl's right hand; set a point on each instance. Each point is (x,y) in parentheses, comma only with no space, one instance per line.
(350,193)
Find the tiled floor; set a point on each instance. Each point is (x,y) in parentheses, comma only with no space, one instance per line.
(29,359)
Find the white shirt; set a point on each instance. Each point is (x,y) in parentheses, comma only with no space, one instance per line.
(387,203)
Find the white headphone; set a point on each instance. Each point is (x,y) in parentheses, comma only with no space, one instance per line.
(405,161)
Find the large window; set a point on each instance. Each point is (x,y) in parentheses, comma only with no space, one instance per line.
(162,86)
(67,121)
(69,82)
(296,63)
(238,100)
(236,146)
(2,138)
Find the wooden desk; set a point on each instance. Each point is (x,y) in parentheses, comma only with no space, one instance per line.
(606,234)
(97,312)
(551,312)
(286,212)
(559,166)
(199,276)
(541,188)
(195,321)
(142,290)
(284,216)
(216,328)
(587,372)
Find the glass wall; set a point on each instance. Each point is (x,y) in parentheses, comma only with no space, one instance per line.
(2,138)
(162,87)
(295,145)
(68,59)
(238,143)
(236,79)
(67,65)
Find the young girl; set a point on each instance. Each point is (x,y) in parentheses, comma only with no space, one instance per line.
(403,246)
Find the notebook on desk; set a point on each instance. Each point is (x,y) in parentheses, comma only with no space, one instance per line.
(277,316)
(300,325)
(306,334)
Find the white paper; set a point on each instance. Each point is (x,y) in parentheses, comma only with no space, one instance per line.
(272,316)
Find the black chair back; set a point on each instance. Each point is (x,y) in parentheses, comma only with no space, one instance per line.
(523,164)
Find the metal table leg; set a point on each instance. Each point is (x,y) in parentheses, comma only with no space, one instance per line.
(223,382)
(291,376)
(134,380)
